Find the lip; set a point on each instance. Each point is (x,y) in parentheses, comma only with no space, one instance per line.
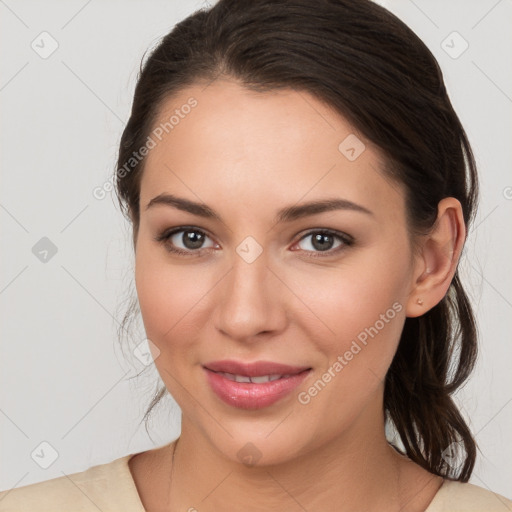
(247,395)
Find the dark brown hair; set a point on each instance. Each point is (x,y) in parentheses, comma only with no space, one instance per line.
(371,68)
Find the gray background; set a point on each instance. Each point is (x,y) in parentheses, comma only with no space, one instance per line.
(63,376)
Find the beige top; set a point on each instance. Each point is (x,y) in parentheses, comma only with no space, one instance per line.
(110,488)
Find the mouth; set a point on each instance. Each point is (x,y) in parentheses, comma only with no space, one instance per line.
(253,385)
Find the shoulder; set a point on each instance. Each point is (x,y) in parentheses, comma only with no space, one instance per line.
(106,487)
(465,497)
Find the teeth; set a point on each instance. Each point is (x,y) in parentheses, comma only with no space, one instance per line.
(255,380)
(265,378)
(241,378)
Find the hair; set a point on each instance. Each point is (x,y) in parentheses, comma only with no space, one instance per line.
(365,63)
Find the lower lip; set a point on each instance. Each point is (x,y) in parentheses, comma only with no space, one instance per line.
(246,395)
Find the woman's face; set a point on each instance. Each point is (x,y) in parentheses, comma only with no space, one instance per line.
(258,281)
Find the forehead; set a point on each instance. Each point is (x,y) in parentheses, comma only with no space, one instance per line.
(221,142)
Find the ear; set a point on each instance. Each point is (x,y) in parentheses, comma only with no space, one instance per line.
(437,259)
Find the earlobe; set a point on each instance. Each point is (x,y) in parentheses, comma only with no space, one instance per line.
(438,258)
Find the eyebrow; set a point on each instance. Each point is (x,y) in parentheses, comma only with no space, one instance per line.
(288,214)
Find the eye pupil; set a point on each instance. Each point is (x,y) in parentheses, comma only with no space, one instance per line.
(319,241)
(193,239)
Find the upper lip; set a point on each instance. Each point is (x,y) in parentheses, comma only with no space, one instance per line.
(256,369)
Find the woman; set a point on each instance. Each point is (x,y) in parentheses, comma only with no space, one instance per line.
(300,190)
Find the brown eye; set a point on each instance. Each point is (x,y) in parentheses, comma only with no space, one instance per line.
(190,239)
(184,240)
(324,241)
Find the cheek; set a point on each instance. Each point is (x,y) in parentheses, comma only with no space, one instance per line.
(362,304)
(357,294)
(170,297)
(172,303)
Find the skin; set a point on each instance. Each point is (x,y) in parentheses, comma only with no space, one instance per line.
(246,155)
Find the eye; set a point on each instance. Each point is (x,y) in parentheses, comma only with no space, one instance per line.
(324,241)
(185,240)
(189,241)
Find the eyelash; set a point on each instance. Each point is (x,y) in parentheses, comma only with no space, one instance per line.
(346,239)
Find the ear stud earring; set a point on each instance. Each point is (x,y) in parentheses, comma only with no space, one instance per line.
(420,302)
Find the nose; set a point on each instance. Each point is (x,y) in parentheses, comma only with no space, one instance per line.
(250,301)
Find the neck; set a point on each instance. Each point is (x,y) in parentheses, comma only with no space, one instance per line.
(357,470)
